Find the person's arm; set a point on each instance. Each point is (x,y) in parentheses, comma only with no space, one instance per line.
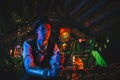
(29,64)
(56,61)
(59,55)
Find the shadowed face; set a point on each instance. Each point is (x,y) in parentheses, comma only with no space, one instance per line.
(44,31)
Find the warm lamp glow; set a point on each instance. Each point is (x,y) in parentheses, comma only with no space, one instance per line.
(65,34)
(82,40)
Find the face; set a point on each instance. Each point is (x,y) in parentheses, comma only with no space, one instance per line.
(44,31)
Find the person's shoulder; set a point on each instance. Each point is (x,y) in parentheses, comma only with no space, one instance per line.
(28,41)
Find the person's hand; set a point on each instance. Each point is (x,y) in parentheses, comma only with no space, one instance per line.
(56,71)
(57,60)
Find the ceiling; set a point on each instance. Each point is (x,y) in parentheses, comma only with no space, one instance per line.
(96,18)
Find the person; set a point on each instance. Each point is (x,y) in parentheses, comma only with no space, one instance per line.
(42,57)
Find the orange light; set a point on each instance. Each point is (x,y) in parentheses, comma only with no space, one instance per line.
(82,40)
(65,34)
(79,63)
(11,51)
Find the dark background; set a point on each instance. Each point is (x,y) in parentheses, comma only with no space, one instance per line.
(97,19)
